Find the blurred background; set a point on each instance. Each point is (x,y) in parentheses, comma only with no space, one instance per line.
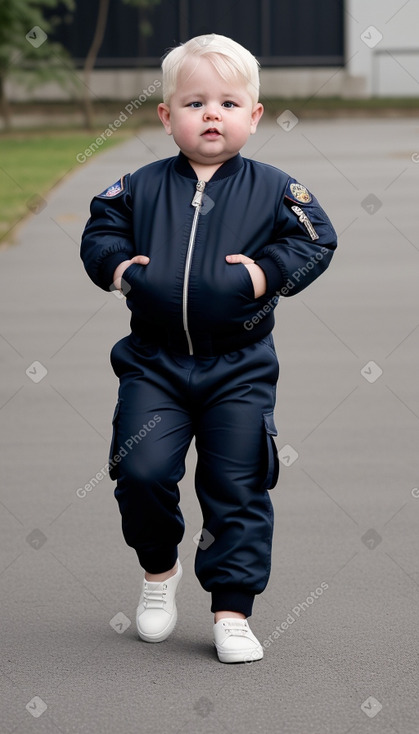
(79,85)
(68,67)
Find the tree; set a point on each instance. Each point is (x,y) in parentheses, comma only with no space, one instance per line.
(98,36)
(145,29)
(25,49)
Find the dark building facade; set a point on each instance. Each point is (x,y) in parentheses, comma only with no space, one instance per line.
(280,33)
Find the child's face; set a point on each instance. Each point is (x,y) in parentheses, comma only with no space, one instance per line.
(210,119)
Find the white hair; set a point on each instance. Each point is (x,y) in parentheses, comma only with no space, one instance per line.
(229,58)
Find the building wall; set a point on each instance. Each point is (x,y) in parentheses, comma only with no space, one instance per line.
(380,51)
(286,33)
(387,55)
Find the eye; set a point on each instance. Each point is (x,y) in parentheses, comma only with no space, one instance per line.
(195,105)
(229,105)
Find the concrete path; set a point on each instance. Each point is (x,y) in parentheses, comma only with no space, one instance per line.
(339,619)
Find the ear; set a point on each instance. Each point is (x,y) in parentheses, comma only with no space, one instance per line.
(257,113)
(163,111)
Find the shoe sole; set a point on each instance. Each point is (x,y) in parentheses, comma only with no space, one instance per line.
(240,656)
(161,636)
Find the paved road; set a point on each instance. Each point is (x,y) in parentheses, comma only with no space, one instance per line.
(339,618)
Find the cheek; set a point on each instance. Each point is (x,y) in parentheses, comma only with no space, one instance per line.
(185,127)
(240,130)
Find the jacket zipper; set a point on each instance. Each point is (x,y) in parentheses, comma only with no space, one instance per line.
(197,203)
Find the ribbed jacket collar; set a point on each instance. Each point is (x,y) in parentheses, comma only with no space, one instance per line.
(228,168)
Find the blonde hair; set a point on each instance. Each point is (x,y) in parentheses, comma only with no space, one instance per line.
(229,58)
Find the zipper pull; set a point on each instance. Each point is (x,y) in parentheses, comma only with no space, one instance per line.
(197,200)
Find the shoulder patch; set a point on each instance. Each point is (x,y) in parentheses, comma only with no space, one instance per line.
(114,190)
(298,193)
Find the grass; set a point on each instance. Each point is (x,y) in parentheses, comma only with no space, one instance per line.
(33,160)
(60,115)
(307,106)
(31,163)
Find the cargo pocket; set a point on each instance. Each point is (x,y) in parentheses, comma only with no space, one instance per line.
(114,465)
(272,461)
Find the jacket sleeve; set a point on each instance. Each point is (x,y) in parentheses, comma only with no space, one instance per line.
(108,239)
(302,244)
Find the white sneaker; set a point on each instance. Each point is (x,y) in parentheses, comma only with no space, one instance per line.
(235,641)
(156,612)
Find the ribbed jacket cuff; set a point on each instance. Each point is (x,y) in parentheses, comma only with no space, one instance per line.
(275,277)
(108,268)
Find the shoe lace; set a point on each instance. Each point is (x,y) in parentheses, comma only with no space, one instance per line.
(238,628)
(154,596)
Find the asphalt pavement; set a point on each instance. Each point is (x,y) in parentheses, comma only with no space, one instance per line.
(339,618)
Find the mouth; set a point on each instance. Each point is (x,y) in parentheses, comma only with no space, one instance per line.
(212,133)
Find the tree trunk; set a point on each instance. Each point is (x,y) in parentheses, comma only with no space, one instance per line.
(90,61)
(4,104)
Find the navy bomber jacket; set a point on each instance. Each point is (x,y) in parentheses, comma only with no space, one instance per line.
(188,297)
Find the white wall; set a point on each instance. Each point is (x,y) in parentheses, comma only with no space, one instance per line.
(385,74)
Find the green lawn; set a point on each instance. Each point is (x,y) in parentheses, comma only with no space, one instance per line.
(32,163)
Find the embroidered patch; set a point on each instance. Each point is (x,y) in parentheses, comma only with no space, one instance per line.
(300,193)
(114,190)
(308,224)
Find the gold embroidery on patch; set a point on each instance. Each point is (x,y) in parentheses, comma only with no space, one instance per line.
(300,193)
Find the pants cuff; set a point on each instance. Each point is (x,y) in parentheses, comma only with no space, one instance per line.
(158,561)
(233,601)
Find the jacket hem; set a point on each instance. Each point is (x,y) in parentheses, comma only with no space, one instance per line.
(205,345)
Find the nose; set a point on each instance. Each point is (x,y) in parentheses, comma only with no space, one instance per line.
(212,112)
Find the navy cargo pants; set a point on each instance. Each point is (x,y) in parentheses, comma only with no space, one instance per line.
(227,403)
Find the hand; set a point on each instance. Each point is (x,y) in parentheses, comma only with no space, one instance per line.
(255,271)
(120,270)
